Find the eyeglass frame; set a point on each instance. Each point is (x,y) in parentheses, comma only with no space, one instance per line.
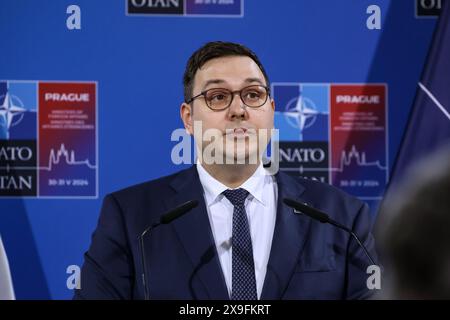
(233,93)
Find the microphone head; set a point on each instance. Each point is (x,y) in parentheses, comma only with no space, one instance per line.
(178,211)
(307,210)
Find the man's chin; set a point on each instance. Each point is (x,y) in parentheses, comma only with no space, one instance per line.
(243,157)
(230,154)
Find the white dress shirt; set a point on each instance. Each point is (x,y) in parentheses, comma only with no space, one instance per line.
(261,208)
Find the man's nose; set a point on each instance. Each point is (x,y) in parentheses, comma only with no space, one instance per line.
(237,108)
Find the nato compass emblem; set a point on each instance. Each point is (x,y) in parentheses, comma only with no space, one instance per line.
(301,113)
(12,112)
(301,116)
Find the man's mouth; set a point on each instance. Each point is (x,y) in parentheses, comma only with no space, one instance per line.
(239,132)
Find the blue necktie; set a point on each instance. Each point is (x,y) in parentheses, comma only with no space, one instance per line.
(243,268)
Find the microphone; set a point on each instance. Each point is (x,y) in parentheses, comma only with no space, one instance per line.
(324,218)
(166,218)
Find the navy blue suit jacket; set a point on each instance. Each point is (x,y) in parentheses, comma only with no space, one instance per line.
(308,260)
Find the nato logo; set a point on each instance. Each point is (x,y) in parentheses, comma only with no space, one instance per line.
(18,117)
(301,115)
(195,8)
(334,133)
(301,112)
(18,110)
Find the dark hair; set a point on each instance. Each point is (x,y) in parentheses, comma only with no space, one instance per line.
(413,231)
(211,50)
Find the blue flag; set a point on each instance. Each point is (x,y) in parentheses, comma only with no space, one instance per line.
(428,127)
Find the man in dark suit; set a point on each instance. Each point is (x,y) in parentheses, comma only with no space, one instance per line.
(241,241)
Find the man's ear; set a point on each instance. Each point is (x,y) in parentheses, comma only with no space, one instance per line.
(272,103)
(186,116)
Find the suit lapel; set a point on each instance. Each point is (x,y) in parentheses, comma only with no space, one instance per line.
(194,231)
(290,234)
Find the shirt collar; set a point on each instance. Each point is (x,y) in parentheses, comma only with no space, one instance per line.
(213,188)
(255,184)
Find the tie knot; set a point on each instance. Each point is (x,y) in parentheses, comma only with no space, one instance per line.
(236,196)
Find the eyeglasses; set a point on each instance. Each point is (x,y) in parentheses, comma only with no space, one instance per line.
(220,98)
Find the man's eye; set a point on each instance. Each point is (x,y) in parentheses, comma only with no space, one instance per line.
(252,95)
(217,96)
